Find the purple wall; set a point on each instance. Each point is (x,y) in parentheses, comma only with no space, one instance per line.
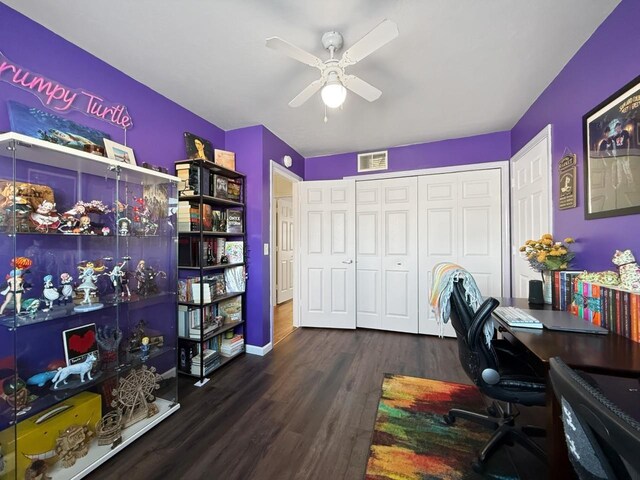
(159,123)
(604,64)
(460,151)
(255,147)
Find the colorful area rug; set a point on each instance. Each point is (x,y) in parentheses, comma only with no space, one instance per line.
(412,442)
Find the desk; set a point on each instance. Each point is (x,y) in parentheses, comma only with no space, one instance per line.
(609,354)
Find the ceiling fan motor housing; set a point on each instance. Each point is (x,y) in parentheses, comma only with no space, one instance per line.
(332,39)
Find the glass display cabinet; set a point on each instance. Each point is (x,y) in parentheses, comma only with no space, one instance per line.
(88,312)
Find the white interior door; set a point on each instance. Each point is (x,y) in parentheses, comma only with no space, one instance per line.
(387,258)
(327,253)
(530,206)
(460,221)
(284,249)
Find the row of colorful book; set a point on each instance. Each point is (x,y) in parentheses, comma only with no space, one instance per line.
(562,288)
(211,220)
(610,307)
(195,322)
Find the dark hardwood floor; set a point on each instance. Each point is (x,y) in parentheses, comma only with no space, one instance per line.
(304,411)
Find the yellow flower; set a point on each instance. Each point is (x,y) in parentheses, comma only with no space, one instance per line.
(522,249)
(563,266)
(547,241)
(562,251)
(547,236)
(542,256)
(569,240)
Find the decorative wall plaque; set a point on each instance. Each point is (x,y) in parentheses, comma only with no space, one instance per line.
(567,184)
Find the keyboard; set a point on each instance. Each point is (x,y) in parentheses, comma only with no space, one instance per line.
(517,318)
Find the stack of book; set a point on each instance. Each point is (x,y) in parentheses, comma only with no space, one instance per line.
(232,346)
(614,308)
(211,360)
(189,175)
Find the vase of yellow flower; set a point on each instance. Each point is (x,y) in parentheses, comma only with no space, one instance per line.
(545,255)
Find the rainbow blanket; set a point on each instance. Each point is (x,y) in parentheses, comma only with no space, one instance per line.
(443,276)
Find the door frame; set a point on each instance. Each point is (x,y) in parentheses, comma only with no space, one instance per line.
(545,133)
(505,191)
(275,167)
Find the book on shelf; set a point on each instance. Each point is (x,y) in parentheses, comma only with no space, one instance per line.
(234,250)
(200,291)
(218,285)
(232,346)
(234,220)
(188,216)
(219,220)
(231,309)
(220,249)
(234,189)
(562,288)
(207,217)
(185,257)
(234,278)
(208,359)
(189,175)
(220,186)
(186,351)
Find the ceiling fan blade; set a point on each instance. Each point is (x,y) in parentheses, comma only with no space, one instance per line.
(362,88)
(276,43)
(307,93)
(372,41)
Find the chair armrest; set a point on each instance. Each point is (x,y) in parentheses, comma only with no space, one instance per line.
(479,319)
(522,383)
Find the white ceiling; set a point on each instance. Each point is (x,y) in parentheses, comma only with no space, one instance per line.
(458,68)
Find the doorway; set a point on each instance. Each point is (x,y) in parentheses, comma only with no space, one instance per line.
(283,243)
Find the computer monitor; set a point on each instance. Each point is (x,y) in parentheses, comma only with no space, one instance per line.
(603,441)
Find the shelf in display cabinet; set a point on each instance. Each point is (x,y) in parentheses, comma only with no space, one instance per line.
(58,156)
(47,398)
(213,234)
(211,200)
(60,312)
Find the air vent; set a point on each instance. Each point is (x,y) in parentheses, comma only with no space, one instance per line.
(369,162)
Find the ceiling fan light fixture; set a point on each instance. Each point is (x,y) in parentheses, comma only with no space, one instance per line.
(333,94)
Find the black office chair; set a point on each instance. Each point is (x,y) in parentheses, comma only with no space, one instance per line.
(500,373)
(603,441)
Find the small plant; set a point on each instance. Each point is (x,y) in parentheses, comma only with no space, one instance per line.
(547,254)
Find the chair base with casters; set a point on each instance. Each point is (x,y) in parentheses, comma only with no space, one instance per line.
(500,371)
(505,431)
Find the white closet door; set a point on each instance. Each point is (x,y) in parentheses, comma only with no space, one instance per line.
(284,249)
(387,260)
(459,220)
(327,252)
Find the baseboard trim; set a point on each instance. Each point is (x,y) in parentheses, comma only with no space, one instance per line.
(262,351)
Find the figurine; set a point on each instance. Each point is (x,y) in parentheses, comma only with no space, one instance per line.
(45,217)
(136,336)
(144,348)
(142,215)
(147,284)
(108,339)
(73,444)
(81,369)
(124,226)
(15,283)
(88,285)
(105,231)
(37,471)
(29,307)
(119,278)
(66,287)
(50,293)
(15,393)
(84,226)
(40,379)
(68,223)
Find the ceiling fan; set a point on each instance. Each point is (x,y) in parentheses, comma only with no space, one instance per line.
(333,80)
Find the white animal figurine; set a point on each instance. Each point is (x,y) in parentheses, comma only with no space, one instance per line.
(629,269)
(81,369)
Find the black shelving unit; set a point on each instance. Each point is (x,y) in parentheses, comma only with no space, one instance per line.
(205,196)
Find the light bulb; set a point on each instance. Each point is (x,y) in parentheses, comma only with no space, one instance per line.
(333,94)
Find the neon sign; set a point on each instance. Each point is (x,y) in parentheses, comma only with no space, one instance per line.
(60,98)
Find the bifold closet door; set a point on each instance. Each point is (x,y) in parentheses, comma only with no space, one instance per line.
(387,255)
(327,254)
(460,221)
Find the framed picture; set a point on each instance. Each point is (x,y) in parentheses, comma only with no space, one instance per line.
(37,123)
(122,153)
(225,159)
(612,155)
(198,147)
(79,342)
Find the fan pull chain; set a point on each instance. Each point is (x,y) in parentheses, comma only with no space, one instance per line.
(325,114)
